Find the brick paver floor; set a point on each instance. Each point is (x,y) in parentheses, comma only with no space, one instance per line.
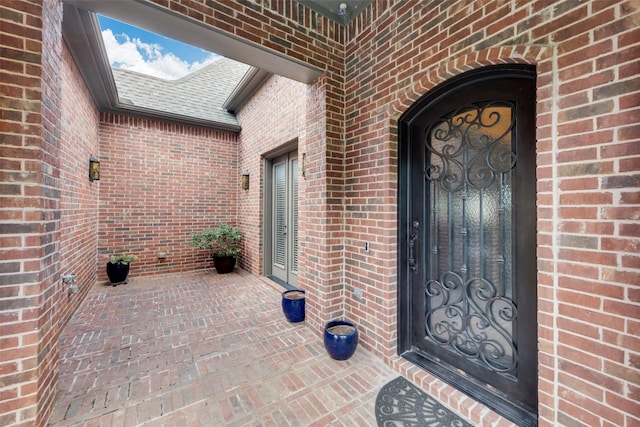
(201,349)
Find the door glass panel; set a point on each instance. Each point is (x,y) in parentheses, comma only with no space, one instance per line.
(294,214)
(469,289)
(279,213)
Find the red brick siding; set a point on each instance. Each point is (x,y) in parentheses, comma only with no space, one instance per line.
(30,84)
(49,325)
(78,196)
(272,118)
(77,129)
(284,26)
(20,219)
(159,183)
(587,181)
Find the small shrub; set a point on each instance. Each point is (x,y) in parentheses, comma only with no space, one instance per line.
(222,241)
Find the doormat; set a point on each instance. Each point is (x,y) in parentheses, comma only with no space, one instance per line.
(402,404)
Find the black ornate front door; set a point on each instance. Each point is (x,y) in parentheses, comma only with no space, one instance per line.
(468,237)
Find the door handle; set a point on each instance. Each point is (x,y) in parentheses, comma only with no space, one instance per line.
(412,243)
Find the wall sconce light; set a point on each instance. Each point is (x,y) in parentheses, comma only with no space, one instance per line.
(245,181)
(304,165)
(94,169)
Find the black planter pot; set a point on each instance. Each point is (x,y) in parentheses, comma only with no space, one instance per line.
(293,305)
(224,264)
(117,272)
(340,339)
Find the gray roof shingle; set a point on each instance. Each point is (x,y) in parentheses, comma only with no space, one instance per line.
(199,95)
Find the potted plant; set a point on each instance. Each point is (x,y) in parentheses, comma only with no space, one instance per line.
(224,242)
(118,267)
(293,305)
(340,339)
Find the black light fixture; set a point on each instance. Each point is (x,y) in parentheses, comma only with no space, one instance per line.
(304,165)
(94,169)
(245,181)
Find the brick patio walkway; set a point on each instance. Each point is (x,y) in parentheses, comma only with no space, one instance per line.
(202,349)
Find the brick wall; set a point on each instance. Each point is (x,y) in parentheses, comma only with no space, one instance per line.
(30,84)
(159,183)
(588,159)
(49,293)
(274,117)
(78,196)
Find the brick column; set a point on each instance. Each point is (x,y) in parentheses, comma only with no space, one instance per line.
(30,37)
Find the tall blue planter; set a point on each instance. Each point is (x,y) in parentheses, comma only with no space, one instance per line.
(293,305)
(340,339)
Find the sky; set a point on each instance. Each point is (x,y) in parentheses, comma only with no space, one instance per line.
(135,49)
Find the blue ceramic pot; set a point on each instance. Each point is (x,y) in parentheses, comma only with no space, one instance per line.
(293,305)
(340,339)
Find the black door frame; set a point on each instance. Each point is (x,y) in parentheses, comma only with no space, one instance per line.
(522,414)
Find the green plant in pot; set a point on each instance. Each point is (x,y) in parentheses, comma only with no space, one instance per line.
(118,267)
(224,242)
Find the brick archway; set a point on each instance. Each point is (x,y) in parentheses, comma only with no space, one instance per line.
(537,55)
(439,72)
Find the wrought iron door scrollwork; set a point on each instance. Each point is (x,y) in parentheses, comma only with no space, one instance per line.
(470,156)
(471,319)
(476,135)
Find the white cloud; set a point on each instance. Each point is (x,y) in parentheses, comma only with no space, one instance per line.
(135,55)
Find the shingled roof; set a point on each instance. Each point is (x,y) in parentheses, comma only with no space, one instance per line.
(199,95)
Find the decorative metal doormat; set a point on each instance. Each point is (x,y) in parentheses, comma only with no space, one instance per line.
(402,404)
